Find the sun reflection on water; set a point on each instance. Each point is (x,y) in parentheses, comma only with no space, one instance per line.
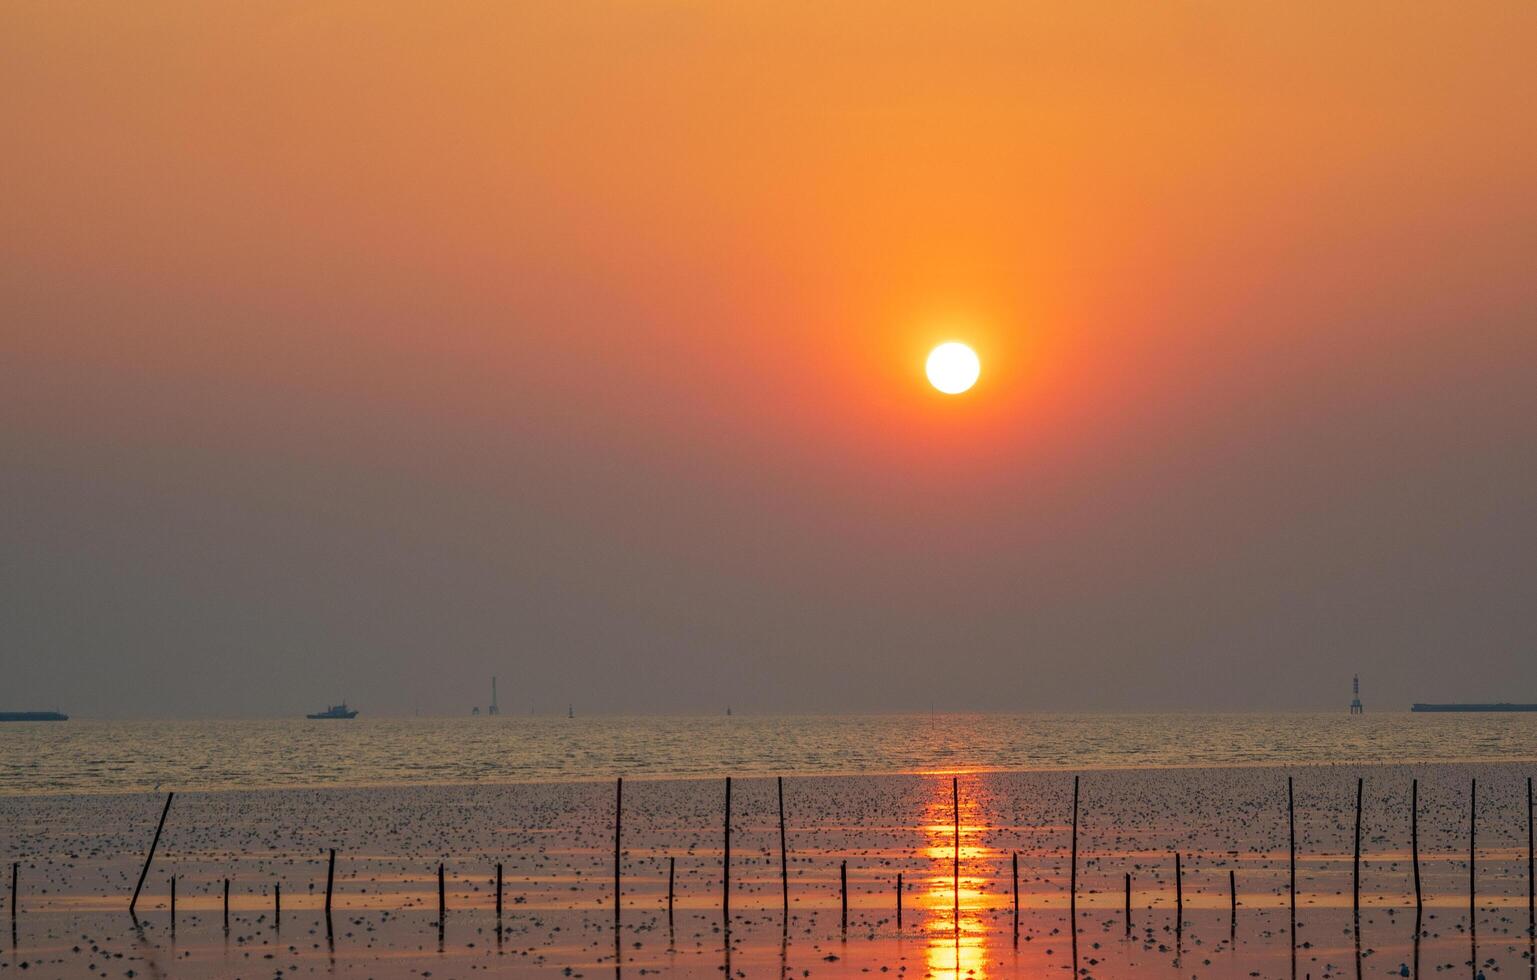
(956,934)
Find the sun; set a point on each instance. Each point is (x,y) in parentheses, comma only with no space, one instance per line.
(953,367)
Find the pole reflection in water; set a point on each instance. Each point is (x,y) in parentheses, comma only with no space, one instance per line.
(957,944)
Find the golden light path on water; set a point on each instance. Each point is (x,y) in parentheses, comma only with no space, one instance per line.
(957,940)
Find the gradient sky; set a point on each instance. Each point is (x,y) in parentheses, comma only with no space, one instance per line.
(368,349)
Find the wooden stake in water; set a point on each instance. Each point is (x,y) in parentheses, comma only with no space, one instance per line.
(173,903)
(955,802)
(843,892)
(15,870)
(1179,897)
(899,899)
(1291,840)
(618,816)
(1072,889)
(1014,861)
(226,905)
(725,895)
(277,903)
(1128,903)
(442,899)
(672,864)
(1355,878)
(150,857)
(498,891)
(1414,850)
(1233,897)
(784,854)
(330,879)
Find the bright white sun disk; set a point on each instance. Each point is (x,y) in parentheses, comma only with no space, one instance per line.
(953,367)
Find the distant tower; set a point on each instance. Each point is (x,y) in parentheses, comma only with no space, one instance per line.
(493,710)
(570,711)
(1355,700)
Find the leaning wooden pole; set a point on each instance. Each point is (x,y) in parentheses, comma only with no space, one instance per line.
(330,879)
(1355,877)
(784,854)
(150,857)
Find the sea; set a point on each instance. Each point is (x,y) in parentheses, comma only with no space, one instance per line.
(118,756)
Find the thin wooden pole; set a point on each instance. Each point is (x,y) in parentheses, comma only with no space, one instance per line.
(226,905)
(1179,897)
(277,902)
(955,803)
(725,895)
(442,899)
(784,853)
(672,864)
(1291,839)
(1291,833)
(843,892)
(498,891)
(899,899)
(330,878)
(1014,861)
(173,903)
(15,871)
(1072,890)
(1232,891)
(150,857)
(1355,878)
(1128,903)
(1414,849)
(618,819)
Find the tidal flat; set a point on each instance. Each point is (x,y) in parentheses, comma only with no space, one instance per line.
(952,836)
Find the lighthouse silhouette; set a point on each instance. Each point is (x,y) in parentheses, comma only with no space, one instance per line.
(1355,699)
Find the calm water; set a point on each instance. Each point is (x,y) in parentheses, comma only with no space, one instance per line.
(92,756)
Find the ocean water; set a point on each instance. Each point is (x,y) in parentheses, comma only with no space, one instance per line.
(82,756)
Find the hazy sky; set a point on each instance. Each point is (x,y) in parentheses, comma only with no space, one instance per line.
(366,349)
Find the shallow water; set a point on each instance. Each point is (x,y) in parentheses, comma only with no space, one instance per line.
(115,756)
(79,857)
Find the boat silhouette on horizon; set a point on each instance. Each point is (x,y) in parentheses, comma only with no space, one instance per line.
(335,711)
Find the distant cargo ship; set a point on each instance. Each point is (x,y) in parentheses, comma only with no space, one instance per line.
(335,711)
(33,716)
(1502,706)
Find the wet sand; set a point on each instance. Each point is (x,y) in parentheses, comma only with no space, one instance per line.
(80,856)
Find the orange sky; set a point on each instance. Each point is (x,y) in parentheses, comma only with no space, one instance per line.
(662,276)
